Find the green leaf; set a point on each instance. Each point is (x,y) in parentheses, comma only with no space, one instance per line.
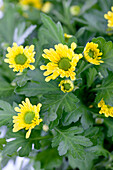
(37,165)
(56,103)
(8,21)
(20,144)
(60,32)
(87,5)
(68,142)
(80,32)
(78,111)
(49,158)
(34,89)
(92,72)
(82,66)
(104,5)
(105,90)
(109,123)
(2,142)
(93,133)
(98,24)
(107,49)
(98,150)
(87,163)
(37,86)
(72,116)
(6,113)
(21,80)
(86,119)
(19,141)
(71,40)
(55,30)
(5,89)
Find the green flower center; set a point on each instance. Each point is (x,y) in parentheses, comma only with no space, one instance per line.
(64,64)
(20,59)
(91,53)
(29,116)
(66,86)
(31,4)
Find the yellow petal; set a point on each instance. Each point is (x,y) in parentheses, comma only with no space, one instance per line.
(73,46)
(28,133)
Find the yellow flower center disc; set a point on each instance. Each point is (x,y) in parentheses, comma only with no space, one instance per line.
(29,116)
(64,64)
(20,59)
(66,86)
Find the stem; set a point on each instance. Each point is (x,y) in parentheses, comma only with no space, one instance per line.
(42,137)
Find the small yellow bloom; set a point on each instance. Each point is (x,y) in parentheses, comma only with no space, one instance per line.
(109,17)
(34,3)
(20,58)
(62,63)
(66,86)
(28,117)
(92,53)
(75,10)
(46,7)
(105,109)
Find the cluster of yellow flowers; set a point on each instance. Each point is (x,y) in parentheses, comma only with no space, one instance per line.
(38,4)
(105,109)
(62,62)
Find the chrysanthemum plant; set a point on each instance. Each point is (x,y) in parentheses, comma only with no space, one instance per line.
(64,110)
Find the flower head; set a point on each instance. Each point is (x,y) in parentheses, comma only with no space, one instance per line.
(109,17)
(28,117)
(106,109)
(92,53)
(34,3)
(20,58)
(66,86)
(62,63)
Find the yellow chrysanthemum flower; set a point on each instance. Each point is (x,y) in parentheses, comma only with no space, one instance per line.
(20,58)
(28,117)
(62,63)
(109,17)
(66,86)
(106,109)
(92,53)
(34,3)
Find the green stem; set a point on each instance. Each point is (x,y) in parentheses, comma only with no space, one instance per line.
(42,137)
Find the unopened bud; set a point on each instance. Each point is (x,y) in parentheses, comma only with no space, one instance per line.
(99,120)
(45,128)
(75,10)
